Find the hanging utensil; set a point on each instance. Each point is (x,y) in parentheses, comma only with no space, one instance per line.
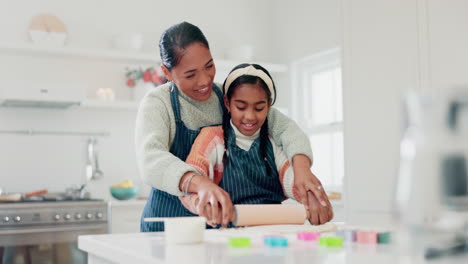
(89,161)
(96,172)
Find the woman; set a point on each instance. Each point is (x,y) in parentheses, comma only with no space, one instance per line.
(169,119)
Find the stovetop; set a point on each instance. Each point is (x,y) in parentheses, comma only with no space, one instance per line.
(53,212)
(53,197)
(36,199)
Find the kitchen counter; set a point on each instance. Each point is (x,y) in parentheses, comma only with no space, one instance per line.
(151,248)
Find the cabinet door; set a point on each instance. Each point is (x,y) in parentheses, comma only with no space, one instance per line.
(125,217)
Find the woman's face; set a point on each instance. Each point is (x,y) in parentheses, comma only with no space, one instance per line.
(249,107)
(195,72)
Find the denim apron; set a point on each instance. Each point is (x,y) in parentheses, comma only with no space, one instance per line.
(245,176)
(161,203)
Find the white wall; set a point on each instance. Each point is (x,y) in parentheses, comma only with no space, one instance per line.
(448,56)
(300,29)
(55,162)
(93,23)
(304,27)
(390,47)
(380,61)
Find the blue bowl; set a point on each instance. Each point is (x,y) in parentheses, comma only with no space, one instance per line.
(124,193)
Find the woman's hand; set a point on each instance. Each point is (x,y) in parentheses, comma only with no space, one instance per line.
(214,203)
(318,214)
(310,191)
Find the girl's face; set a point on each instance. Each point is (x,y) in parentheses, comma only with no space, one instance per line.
(195,72)
(249,107)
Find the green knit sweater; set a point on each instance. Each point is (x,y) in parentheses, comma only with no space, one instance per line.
(155,130)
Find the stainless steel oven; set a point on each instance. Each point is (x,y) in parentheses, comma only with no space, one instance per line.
(47,232)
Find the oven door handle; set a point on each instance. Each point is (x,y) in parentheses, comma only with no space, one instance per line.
(49,228)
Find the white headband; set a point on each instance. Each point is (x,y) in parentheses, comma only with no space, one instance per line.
(251,71)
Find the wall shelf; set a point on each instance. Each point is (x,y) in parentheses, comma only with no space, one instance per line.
(68,51)
(115,105)
(114,54)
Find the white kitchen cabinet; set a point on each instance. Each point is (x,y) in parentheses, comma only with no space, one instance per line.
(125,216)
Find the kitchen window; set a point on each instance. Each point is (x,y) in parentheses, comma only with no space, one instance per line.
(317,107)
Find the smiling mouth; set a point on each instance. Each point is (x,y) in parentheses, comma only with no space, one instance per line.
(204,90)
(249,126)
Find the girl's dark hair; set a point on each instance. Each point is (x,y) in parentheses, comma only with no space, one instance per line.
(176,39)
(227,116)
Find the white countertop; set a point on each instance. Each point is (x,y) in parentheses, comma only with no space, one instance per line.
(151,248)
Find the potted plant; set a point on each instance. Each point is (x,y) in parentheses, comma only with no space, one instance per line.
(142,80)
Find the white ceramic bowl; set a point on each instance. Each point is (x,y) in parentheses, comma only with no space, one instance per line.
(52,39)
(184,230)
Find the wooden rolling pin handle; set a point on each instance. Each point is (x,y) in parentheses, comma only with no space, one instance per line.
(270,214)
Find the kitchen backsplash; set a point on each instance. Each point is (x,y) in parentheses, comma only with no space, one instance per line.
(55,162)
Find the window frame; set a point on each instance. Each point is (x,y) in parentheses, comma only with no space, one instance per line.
(301,70)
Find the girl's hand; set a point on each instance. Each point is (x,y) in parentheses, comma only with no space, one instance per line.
(214,203)
(310,191)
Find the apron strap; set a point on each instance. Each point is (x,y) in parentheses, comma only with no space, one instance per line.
(175,102)
(220,97)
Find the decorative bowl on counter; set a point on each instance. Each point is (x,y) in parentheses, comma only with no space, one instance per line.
(124,193)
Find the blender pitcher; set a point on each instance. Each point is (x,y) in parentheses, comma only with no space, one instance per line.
(417,195)
(432,181)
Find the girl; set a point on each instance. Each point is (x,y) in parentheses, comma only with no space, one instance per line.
(169,119)
(240,157)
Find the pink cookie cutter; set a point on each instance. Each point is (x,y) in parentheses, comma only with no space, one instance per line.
(367,237)
(308,236)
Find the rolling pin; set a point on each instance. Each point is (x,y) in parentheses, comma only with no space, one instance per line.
(270,214)
(263,214)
